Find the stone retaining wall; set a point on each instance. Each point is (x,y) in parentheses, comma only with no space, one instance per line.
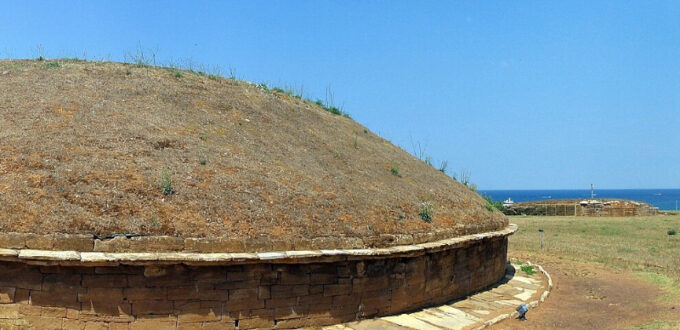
(122,243)
(46,290)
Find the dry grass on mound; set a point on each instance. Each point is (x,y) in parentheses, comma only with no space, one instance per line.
(91,147)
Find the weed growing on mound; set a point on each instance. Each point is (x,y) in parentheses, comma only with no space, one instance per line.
(166,184)
(395,170)
(529,270)
(491,205)
(425,211)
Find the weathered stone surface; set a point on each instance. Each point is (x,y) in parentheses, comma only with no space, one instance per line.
(13,241)
(68,242)
(7,295)
(8,253)
(218,245)
(116,244)
(252,289)
(49,255)
(156,244)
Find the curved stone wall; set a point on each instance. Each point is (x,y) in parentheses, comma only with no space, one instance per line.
(67,289)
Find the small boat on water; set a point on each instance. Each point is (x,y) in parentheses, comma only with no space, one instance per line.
(508,202)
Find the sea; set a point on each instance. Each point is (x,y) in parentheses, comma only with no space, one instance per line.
(664,199)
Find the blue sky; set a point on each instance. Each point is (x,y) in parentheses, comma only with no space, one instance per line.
(523,95)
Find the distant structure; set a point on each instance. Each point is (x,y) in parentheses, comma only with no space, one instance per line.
(575,207)
(508,202)
(592,191)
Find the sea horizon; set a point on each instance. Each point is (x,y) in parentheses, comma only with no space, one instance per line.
(663,198)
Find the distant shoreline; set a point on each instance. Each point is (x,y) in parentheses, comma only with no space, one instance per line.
(664,199)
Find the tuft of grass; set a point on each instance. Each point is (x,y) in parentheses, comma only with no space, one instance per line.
(394,168)
(53,64)
(491,205)
(425,211)
(213,77)
(442,167)
(334,110)
(672,232)
(166,184)
(529,270)
(178,74)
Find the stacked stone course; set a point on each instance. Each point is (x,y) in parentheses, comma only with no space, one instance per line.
(259,295)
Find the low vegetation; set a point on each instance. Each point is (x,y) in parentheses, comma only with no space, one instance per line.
(425,211)
(394,168)
(528,269)
(166,184)
(635,243)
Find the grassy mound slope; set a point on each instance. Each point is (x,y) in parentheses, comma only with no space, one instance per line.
(91,147)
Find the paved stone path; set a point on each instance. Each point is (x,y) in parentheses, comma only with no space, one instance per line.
(475,312)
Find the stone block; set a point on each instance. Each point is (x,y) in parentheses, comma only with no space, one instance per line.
(101,294)
(210,275)
(93,325)
(193,315)
(59,312)
(116,326)
(323,278)
(47,323)
(316,300)
(256,323)
(116,244)
(106,312)
(134,294)
(287,291)
(9,311)
(196,292)
(62,298)
(7,295)
(238,285)
(12,241)
(224,245)
(155,244)
(294,278)
(127,270)
(336,289)
(283,302)
(154,322)
(105,281)
(146,307)
(60,281)
(69,242)
(292,312)
(244,304)
(39,242)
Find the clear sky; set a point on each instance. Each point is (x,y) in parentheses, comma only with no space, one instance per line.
(522,94)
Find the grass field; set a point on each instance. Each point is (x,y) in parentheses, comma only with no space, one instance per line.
(636,243)
(642,245)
